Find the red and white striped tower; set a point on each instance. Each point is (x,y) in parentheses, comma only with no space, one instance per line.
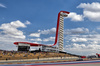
(61,30)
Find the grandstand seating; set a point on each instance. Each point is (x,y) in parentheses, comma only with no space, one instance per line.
(15,55)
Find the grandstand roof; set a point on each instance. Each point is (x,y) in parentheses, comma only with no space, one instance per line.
(31,44)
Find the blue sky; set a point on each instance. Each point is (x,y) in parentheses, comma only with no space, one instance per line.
(35,21)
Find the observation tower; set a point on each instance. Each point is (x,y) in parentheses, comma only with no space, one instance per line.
(61,29)
(25,46)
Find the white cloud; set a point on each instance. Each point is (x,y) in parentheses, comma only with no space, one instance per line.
(1,5)
(79,40)
(79,45)
(48,31)
(35,35)
(76,31)
(89,37)
(9,33)
(10,29)
(6,42)
(91,11)
(27,22)
(49,39)
(90,7)
(66,31)
(83,44)
(37,39)
(75,17)
(98,27)
(17,24)
(83,49)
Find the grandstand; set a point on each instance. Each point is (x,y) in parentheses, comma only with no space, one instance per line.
(18,55)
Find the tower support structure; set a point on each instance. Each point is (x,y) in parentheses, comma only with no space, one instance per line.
(61,30)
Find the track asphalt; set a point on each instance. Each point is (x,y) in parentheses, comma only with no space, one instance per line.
(75,63)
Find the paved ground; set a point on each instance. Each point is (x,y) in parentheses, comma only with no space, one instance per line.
(75,63)
(95,64)
(91,64)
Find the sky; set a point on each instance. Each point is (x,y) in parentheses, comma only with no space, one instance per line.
(35,21)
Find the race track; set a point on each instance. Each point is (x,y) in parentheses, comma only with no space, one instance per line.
(76,63)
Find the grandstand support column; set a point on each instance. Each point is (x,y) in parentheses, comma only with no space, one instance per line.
(61,30)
